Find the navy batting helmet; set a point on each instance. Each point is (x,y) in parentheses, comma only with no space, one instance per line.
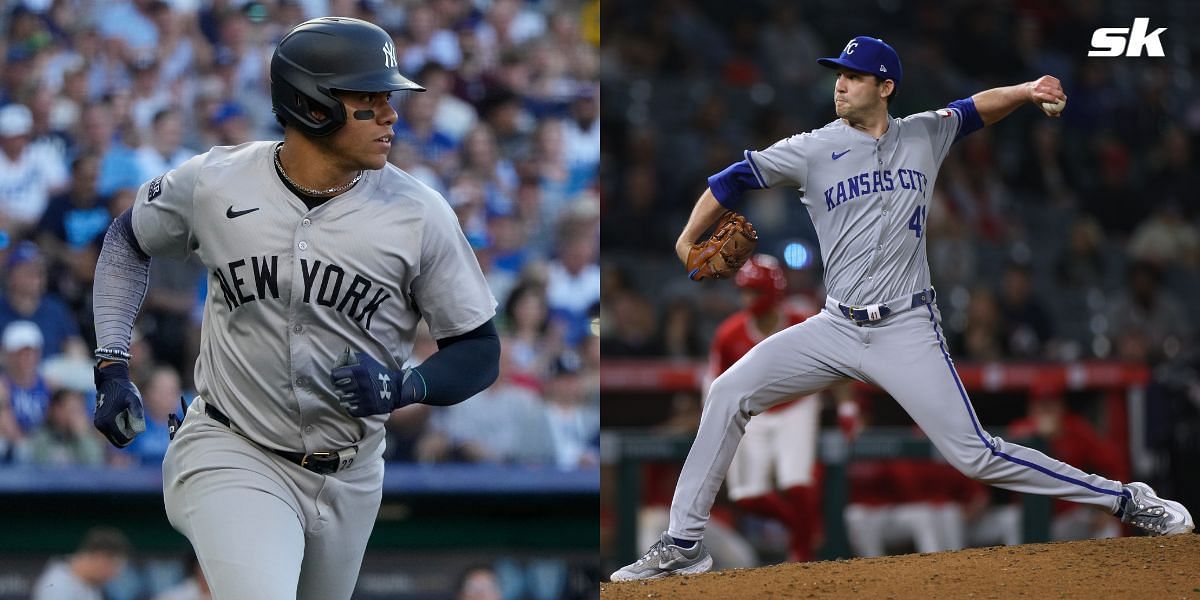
(327,54)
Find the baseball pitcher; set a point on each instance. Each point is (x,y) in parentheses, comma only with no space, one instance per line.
(867,180)
(322,258)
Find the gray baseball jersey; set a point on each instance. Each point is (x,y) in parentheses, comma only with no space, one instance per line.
(290,288)
(868,199)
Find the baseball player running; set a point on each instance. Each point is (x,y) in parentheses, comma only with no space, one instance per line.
(323,258)
(866,179)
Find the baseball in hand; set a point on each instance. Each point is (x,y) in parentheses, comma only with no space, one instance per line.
(1053,108)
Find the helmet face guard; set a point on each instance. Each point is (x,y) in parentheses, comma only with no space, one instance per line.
(327,54)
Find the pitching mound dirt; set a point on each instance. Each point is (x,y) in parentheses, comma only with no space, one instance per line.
(1135,567)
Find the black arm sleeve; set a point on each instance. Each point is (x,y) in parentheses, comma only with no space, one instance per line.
(463,366)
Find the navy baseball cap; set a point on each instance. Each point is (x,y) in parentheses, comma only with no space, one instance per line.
(22,253)
(869,55)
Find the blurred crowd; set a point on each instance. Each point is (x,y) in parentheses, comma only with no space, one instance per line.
(106,564)
(97,97)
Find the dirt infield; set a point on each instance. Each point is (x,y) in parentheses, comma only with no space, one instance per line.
(1136,567)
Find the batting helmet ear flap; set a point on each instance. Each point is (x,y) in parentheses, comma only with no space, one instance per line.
(298,109)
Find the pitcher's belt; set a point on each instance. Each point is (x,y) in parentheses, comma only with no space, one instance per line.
(877,312)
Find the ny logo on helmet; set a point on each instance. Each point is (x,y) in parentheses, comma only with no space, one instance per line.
(389,55)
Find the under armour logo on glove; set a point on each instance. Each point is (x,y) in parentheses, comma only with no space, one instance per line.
(365,387)
(384,391)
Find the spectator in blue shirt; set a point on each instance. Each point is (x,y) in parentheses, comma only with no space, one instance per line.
(416,127)
(69,235)
(24,393)
(25,298)
(74,218)
(66,437)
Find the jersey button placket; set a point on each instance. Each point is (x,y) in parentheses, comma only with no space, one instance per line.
(882,222)
(300,343)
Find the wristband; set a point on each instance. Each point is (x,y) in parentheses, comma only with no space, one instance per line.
(113,354)
(405,386)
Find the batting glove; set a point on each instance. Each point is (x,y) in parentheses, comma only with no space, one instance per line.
(364,387)
(119,413)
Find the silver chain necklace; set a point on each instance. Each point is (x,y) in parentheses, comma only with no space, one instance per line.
(333,191)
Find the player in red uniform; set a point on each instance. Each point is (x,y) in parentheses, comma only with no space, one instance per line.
(772,473)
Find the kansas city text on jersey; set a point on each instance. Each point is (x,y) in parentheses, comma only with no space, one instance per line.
(874,181)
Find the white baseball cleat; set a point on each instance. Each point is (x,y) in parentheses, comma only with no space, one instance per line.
(665,558)
(1144,509)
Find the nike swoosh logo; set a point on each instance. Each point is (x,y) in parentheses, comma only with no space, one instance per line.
(837,155)
(667,565)
(233,214)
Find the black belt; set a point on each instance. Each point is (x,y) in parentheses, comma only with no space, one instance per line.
(878,312)
(321,463)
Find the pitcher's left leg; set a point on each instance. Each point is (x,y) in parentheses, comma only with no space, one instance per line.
(800,360)
(908,358)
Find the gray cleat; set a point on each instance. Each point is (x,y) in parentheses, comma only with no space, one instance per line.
(1145,510)
(665,558)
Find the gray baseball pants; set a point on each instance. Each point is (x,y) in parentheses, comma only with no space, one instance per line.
(264,527)
(905,355)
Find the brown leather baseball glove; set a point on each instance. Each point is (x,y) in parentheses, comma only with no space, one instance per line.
(725,251)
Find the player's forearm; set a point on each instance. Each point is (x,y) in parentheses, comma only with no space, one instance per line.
(462,367)
(997,103)
(122,276)
(704,214)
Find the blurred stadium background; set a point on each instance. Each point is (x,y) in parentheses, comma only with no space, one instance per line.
(1065,252)
(98,96)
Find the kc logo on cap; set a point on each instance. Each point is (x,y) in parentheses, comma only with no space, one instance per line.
(869,55)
